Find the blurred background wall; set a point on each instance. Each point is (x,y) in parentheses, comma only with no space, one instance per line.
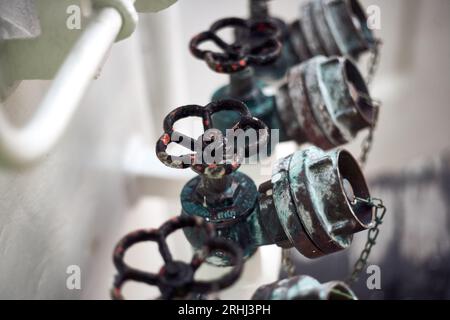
(73,206)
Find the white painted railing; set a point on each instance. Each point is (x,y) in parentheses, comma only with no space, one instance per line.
(25,145)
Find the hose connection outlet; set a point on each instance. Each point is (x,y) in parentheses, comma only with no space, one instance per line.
(331,27)
(325,102)
(310,202)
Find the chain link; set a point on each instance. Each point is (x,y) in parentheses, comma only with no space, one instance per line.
(287,263)
(374,62)
(367,142)
(371,236)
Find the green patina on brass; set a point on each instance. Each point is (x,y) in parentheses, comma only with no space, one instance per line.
(324,101)
(233,216)
(304,288)
(323,27)
(245,88)
(308,204)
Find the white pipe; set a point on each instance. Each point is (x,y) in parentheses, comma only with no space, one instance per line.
(24,146)
(165,67)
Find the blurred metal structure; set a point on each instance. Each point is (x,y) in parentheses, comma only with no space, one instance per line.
(175,279)
(325,102)
(257,44)
(331,27)
(324,27)
(304,288)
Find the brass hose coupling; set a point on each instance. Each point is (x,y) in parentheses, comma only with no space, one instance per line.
(310,202)
(304,288)
(325,102)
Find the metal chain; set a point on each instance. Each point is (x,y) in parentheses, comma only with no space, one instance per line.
(367,142)
(374,62)
(287,263)
(380,211)
(366,146)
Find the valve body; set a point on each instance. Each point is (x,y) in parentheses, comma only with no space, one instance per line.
(244,87)
(307,205)
(233,215)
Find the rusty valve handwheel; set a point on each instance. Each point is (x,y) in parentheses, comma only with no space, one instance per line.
(230,159)
(176,278)
(243,52)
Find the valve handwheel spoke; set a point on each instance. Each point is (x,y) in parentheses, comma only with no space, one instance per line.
(231,252)
(243,52)
(164,251)
(127,273)
(176,278)
(195,160)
